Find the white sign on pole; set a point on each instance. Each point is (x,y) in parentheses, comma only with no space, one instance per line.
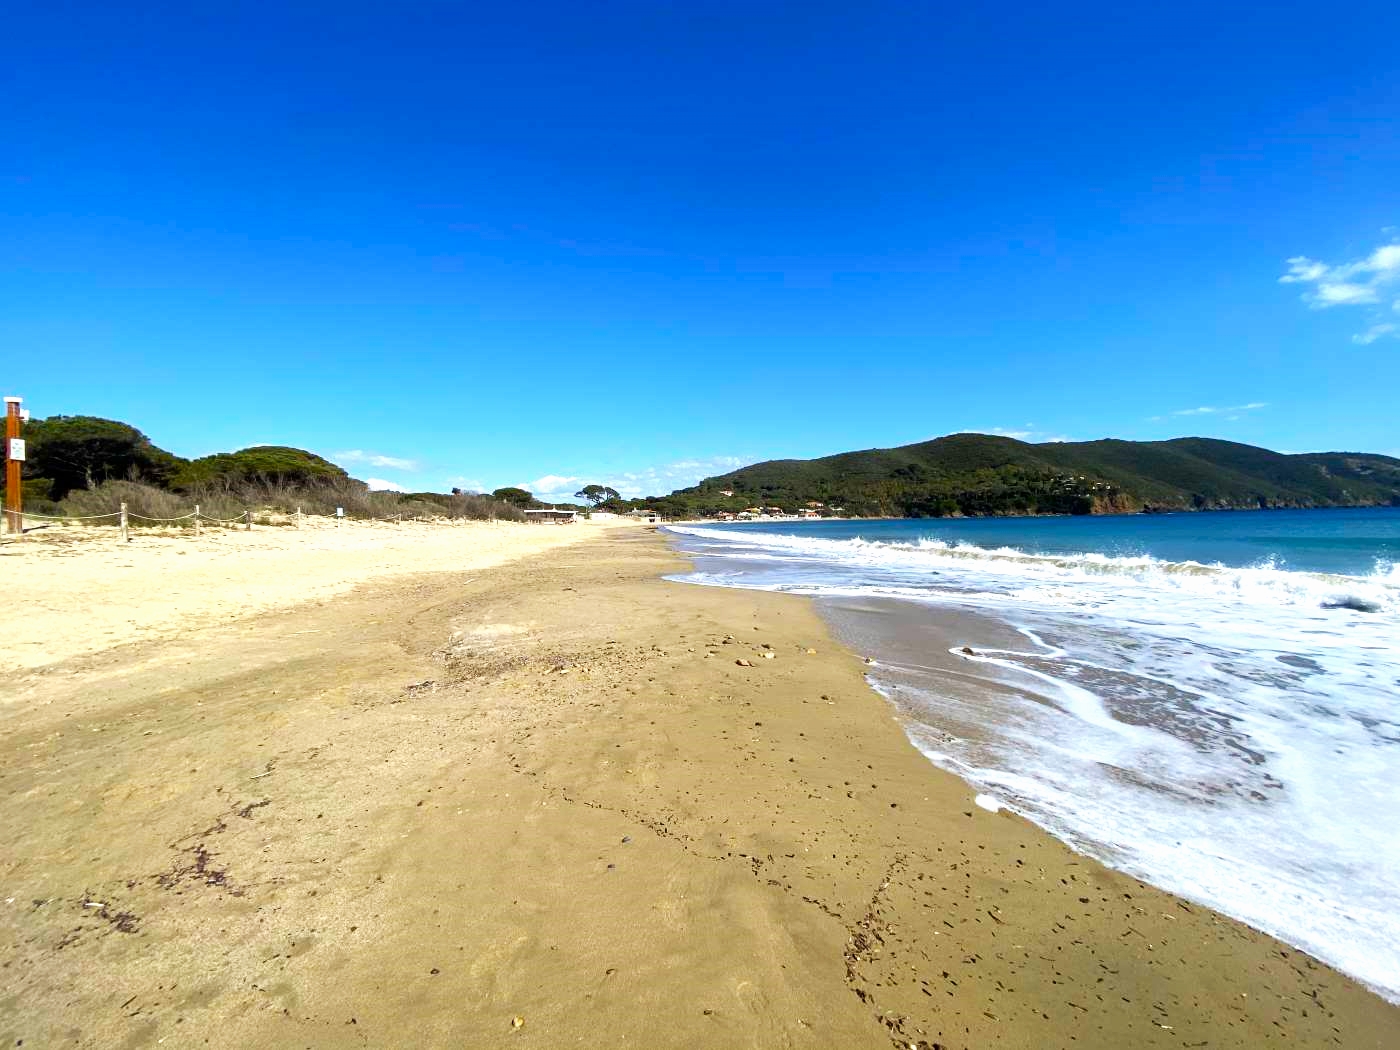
(340,512)
(17,448)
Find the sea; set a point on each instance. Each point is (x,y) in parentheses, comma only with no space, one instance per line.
(1209,702)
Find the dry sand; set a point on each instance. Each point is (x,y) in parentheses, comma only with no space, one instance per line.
(80,590)
(547,793)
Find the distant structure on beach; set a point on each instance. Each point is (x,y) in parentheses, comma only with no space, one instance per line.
(552,516)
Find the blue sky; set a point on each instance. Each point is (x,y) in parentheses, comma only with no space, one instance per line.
(455,244)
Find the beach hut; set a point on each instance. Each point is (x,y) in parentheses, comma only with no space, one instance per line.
(552,516)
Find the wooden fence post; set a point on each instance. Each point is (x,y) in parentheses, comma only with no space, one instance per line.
(247,520)
(14,473)
(125,537)
(196,520)
(298,517)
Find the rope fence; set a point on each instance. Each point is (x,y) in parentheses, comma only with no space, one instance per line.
(125,516)
(72,517)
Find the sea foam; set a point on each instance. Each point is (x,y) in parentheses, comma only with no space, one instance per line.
(1265,582)
(1229,733)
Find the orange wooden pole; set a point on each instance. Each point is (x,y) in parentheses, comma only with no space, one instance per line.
(14,497)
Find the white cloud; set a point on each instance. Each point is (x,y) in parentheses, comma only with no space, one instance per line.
(1301,268)
(646,481)
(1386,259)
(1376,331)
(1361,282)
(373,459)
(1341,293)
(1229,411)
(552,487)
(1023,433)
(380,485)
(553,483)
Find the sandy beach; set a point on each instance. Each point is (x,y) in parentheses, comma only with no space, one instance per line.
(83,590)
(497,785)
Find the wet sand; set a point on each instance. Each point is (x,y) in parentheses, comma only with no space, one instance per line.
(542,804)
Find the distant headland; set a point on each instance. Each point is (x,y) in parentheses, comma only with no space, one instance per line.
(980,475)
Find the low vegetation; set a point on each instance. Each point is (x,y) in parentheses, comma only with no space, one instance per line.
(84,466)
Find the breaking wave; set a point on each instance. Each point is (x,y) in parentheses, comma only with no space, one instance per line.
(1230,733)
(1266,582)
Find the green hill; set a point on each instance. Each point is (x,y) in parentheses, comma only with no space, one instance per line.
(979,474)
(86,465)
(269,463)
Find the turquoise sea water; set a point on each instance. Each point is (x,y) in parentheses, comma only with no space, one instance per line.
(1350,542)
(1208,701)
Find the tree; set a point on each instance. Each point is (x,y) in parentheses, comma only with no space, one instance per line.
(516,496)
(596,494)
(272,463)
(74,452)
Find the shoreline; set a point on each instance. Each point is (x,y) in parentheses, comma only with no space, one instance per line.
(1154,512)
(982,630)
(1080,702)
(442,802)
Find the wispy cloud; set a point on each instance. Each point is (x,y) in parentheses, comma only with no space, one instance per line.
(380,485)
(646,481)
(1367,282)
(678,474)
(373,459)
(1228,411)
(1028,432)
(1210,410)
(553,486)
(1376,331)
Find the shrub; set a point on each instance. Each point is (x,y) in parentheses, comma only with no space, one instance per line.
(272,464)
(140,499)
(228,501)
(74,452)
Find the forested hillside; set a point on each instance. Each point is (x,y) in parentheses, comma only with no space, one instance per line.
(979,474)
